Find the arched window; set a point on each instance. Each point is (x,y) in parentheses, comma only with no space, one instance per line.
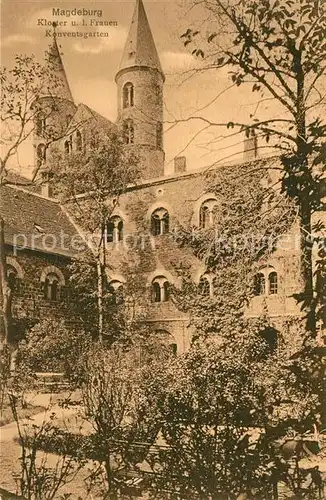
(128,131)
(273,284)
(160,222)
(204,285)
(270,337)
(40,125)
(13,279)
(41,155)
(206,213)
(159,135)
(51,287)
(116,288)
(160,289)
(68,145)
(79,141)
(259,284)
(68,119)
(128,95)
(114,229)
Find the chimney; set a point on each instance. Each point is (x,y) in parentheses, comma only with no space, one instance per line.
(46,189)
(250,147)
(180,164)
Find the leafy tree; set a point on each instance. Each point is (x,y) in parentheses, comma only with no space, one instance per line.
(51,346)
(23,88)
(278,47)
(90,183)
(219,426)
(124,420)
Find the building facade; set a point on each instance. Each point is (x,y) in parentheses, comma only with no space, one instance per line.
(148,213)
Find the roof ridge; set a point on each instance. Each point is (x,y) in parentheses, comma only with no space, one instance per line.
(27,191)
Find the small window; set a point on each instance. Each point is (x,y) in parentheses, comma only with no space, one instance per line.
(128,95)
(160,222)
(174,349)
(159,135)
(51,287)
(128,132)
(259,284)
(156,292)
(116,289)
(41,155)
(40,125)
(114,230)
(68,146)
(206,213)
(273,284)
(160,289)
(68,119)
(79,141)
(204,285)
(13,280)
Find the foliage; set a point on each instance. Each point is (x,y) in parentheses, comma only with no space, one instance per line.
(90,183)
(41,476)
(279,49)
(250,220)
(52,346)
(123,419)
(219,426)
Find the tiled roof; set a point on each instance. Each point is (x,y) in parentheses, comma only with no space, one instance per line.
(37,223)
(15,179)
(140,49)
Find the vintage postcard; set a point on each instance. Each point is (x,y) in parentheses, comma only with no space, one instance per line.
(162,249)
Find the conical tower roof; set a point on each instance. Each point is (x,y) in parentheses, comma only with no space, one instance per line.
(57,85)
(140,49)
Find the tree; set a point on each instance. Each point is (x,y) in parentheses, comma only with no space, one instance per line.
(124,420)
(219,427)
(22,98)
(279,49)
(90,184)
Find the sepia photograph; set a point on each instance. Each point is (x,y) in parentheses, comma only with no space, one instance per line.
(163,250)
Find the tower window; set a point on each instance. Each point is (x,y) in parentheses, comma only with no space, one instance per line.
(259,284)
(160,222)
(79,141)
(273,285)
(128,131)
(128,95)
(40,125)
(159,135)
(41,155)
(206,213)
(68,145)
(206,285)
(12,277)
(160,289)
(51,287)
(114,230)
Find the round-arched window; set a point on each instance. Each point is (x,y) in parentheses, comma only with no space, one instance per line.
(206,213)
(160,289)
(128,95)
(160,222)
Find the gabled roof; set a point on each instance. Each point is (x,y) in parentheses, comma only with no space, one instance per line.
(84,114)
(140,49)
(37,223)
(16,180)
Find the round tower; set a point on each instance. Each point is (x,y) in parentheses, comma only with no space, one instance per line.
(54,108)
(140,82)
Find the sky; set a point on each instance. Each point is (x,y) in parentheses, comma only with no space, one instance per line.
(91,65)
